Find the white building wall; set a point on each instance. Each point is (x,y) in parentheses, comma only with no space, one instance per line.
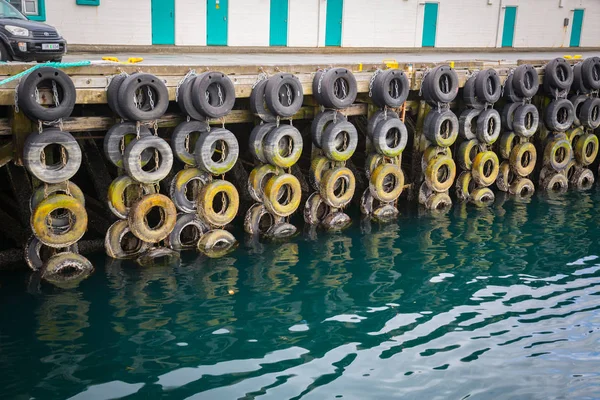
(249,22)
(464,23)
(303,23)
(190,23)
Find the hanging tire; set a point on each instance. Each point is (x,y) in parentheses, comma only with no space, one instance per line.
(34,156)
(216,141)
(464,186)
(486,167)
(65,237)
(526,120)
(39,79)
(112,92)
(134,153)
(120,188)
(336,221)
(213,94)
(583,179)
(321,121)
(439,202)
(590,70)
(152,88)
(390,88)
(525,81)
(315,209)
(337,187)
(522,187)
(368,203)
(569,171)
(185,101)
(229,207)
(467,151)
(509,90)
(574,134)
(159,257)
(442,83)
(118,137)
(181,140)
(467,123)
(577,101)
(469,95)
(378,117)
(217,243)
(442,127)
(258,179)
(508,115)
(387,182)
(284,94)
(555,182)
(523,158)
(281,230)
(318,166)
(258,220)
(558,153)
(440,173)
(186,233)
(559,115)
(180,187)
(67,269)
(590,113)
(487,86)
(488,126)
(68,188)
(36,253)
(508,140)
(138,222)
(425,192)
(385,213)
(282,195)
(431,152)
(282,146)
(482,197)
(257,140)
(578,85)
(258,105)
(505,176)
(120,243)
(339,141)
(338,88)
(586,149)
(558,74)
(390,137)
(373,161)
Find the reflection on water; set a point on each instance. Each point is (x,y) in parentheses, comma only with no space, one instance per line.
(498,302)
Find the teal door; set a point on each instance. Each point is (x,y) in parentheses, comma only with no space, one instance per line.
(216,22)
(279,23)
(163,21)
(576,28)
(333,23)
(430,24)
(508,31)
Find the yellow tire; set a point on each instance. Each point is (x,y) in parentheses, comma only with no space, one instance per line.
(555,183)
(315,209)
(508,140)
(523,158)
(229,202)
(318,166)
(373,161)
(387,182)
(432,152)
(485,168)
(467,151)
(464,186)
(258,178)
(506,176)
(217,243)
(67,269)
(138,222)
(282,195)
(439,202)
(65,237)
(586,149)
(124,191)
(118,245)
(574,134)
(558,153)
(522,188)
(440,173)
(482,197)
(337,187)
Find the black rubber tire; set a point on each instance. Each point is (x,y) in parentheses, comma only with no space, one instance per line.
(33,252)
(185,102)
(206,146)
(178,189)
(433,127)
(508,115)
(34,110)
(590,113)
(114,137)
(551,114)
(466,122)
(577,101)
(578,85)
(558,74)
(509,90)
(487,118)
(315,86)
(381,95)
(328,95)
(526,120)
(591,73)
(390,147)
(35,145)
(202,84)
(133,152)
(277,96)
(174,240)
(272,146)
(127,91)
(469,95)
(256,141)
(447,76)
(179,137)
(333,138)
(487,86)
(258,105)
(112,94)
(525,81)
(320,123)
(376,118)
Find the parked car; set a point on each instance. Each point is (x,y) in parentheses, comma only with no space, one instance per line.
(25,40)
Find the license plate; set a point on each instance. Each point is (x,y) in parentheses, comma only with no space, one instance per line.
(50,46)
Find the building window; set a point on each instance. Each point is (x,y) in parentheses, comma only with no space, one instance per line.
(30,7)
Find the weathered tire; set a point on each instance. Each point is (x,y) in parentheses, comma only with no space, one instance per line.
(577,101)
(258,179)
(368,203)
(315,209)
(321,121)
(569,171)
(586,149)
(555,182)
(488,126)
(559,115)
(112,92)
(336,221)
(526,120)
(180,186)
(442,84)
(590,70)
(119,189)
(67,269)
(464,186)
(181,140)
(284,94)
(387,182)
(590,113)
(522,187)
(558,74)
(115,238)
(508,115)
(282,195)
(229,208)
(390,88)
(439,202)
(332,94)
(217,243)
(282,146)
(487,86)
(133,156)
(339,141)
(36,253)
(583,179)
(257,140)
(469,95)
(509,90)
(441,127)
(334,179)
(185,99)
(159,257)
(139,225)
(482,197)
(505,177)
(61,221)
(213,105)
(377,118)
(179,239)
(578,85)
(318,166)
(440,173)
(467,151)
(372,161)
(65,237)
(522,158)
(118,137)
(508,140)
(431,152)
(258,220)
(558,153)
(485,168)
(467,123)
(281,230)
(217,140)
(574,135)
(258,105)
(66,93)
(525,81)
(390,137)
(33,151)
(149,83)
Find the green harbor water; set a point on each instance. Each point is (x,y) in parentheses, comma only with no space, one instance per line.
(498,303)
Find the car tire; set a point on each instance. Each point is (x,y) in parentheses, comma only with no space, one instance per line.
(4,56)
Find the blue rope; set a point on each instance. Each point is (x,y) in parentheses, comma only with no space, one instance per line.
(48,64)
